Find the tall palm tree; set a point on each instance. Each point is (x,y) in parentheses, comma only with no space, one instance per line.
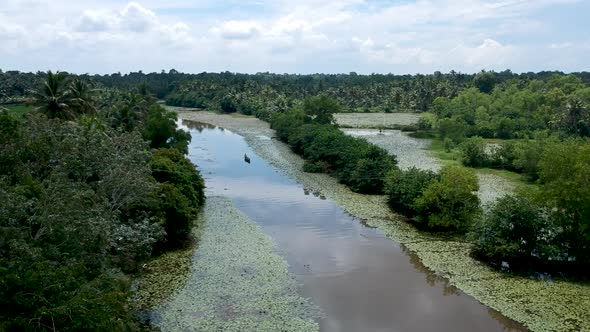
(54,98)
(81,94)
(576,117)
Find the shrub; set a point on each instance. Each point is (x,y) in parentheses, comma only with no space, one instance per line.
(473,152)
(369,173)
(565,174)
(454,129)
(515,230)
(321,108)
(448,203)
(160,129)
(171,166)
(284,123)
(503,156)
(317,167)
(354,161)
(448,144)
(175,210)
(228,105)
(404,187)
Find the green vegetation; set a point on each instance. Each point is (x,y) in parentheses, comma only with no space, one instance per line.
(547,229)
(85,203)
(517,231)
(449,202)
(104,143)
(18,110)
(516,110)
(404,187)
(355,162)
(240,282)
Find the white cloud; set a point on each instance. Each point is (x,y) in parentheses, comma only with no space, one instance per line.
(237,29)
(302,36)
(137,18)
(488,52)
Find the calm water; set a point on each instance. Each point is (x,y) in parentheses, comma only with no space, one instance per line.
(361,280)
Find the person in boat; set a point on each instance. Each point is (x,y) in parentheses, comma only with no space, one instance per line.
(246,158)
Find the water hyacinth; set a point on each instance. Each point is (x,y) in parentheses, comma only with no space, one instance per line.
(410,152)
(375,120)
(237,281)
(413,152)
(539,304)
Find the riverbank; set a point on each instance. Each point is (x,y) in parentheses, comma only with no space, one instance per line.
(542,305)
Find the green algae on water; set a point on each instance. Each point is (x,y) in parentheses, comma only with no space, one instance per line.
(237,281)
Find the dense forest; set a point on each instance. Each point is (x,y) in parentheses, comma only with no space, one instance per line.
(263,93)
(92,185)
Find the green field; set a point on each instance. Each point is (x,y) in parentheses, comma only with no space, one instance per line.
(19,110)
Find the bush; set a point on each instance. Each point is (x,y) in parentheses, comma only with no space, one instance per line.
(177,214)
(448,144)
(284,123)
(473,152)
(454,129)
(516,230)
(565,174)
(404,187)
(171,166)
(161,130)
(448,203)
(321,108)
(354,161)
(503,156)
(317,167)
(369,172)
(228,105)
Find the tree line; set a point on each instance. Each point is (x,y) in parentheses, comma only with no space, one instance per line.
(264,93)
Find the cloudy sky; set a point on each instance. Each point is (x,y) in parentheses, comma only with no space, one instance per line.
(295,36)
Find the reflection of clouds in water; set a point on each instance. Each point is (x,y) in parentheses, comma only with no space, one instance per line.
(431,278)
(196,125)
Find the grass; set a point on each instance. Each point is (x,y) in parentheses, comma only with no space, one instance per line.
(452,157)
(18,110)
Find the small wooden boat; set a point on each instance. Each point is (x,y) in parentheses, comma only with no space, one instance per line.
(246,158)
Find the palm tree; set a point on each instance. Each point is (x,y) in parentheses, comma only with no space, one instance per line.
(82,96)
(575,117)
(54,99)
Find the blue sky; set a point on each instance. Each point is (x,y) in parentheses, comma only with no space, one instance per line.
(303,36)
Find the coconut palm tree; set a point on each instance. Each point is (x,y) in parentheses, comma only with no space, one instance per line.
(54,99)
(82,97)
(576,117)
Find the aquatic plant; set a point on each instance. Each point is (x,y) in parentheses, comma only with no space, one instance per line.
(237,281)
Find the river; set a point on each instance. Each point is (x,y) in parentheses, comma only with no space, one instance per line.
(361,280)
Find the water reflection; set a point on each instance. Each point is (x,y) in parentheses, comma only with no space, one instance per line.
(431,278)
(199,126)
(360,279)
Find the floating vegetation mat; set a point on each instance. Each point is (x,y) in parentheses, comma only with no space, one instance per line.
(375,120)
(410,152)
(162,276)
(540,304)
(413,152)
(237,281)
